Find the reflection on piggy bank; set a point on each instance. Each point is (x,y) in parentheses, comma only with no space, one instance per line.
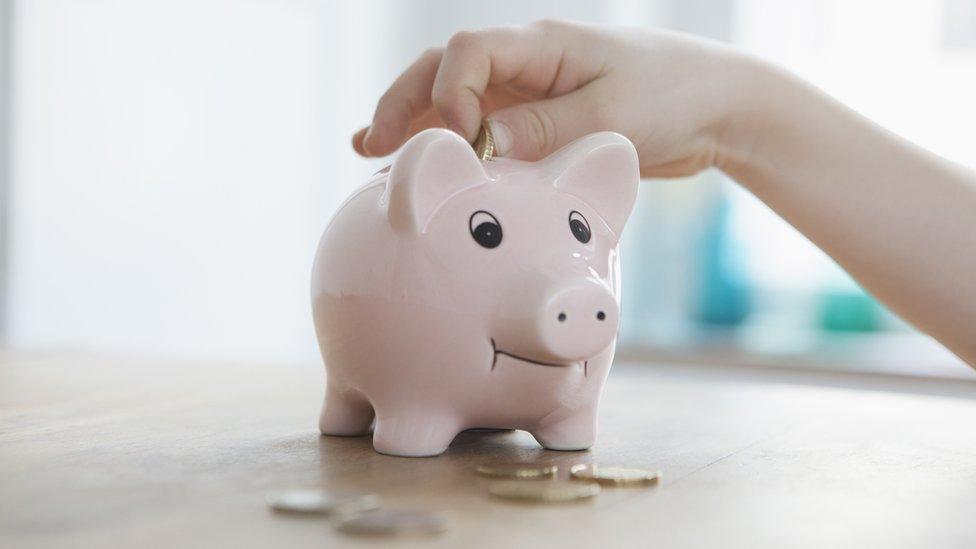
(451,293)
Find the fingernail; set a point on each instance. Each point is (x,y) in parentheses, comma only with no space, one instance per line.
(502,136)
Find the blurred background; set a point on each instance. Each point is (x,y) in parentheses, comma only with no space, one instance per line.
(167,167)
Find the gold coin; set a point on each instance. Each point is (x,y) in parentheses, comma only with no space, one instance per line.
(395,522)
(616,476)
(320,502)
(558,491)
(484,144)
(524,471)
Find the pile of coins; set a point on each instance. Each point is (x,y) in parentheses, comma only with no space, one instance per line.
(539,483)
(361,514)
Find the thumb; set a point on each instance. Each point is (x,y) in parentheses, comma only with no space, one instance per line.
(531,131)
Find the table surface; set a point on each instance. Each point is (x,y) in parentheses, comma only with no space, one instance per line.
(100,451)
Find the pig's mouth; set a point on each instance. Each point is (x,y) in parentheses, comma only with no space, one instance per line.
(495,351)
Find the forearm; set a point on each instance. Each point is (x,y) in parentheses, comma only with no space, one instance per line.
(901,220)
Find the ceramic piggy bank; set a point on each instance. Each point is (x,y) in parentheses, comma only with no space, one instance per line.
(452,293)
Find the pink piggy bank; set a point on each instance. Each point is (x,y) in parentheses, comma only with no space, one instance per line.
(451,293)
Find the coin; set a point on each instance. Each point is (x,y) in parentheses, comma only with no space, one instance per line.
(320,502)
(524,471)
(615,476)
(546,492)
(484,144)
(395,522)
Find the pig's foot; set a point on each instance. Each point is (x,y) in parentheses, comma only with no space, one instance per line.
(345,413)
(414,435)
(577,432)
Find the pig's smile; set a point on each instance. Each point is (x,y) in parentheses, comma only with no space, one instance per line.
(496,351)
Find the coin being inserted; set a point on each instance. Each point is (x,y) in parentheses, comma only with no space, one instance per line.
(524,471)
(484,144)
(395,522)
(543,492)
(321,502)
(615,476)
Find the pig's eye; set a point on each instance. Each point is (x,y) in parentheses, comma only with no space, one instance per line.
(579,226)
(485,229)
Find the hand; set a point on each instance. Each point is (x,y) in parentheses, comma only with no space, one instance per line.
(687,104)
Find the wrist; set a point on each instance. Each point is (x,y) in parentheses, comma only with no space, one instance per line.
(751,98)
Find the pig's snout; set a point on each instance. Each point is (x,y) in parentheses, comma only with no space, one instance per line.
(578,321)
(568,323)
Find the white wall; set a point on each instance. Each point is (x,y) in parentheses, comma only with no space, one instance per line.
(172,165)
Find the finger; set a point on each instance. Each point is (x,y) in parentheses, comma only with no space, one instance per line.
(427,120)
(531,131)
(357,141)
(408,98)
(473,60)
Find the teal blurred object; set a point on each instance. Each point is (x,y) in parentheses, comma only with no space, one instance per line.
(726,299)
(849,311)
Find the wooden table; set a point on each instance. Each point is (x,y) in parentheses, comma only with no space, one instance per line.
(98,451)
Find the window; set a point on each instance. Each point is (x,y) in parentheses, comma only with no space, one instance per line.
(756,288)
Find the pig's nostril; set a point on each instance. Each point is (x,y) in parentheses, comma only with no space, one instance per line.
(601,315)
(562,317)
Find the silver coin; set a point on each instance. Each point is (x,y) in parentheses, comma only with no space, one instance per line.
(395,522)
(321,502)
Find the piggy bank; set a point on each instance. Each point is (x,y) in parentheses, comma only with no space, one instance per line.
(452,293)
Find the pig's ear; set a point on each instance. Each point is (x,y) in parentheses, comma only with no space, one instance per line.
(432,166)
(602,170)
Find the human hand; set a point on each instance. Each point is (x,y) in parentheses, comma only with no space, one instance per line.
(687,104)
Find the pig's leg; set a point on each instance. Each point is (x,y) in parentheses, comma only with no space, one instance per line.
(575,432)
(345,413)
(414,433)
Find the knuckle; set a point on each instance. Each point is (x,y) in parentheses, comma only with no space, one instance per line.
(463,40)
(550,24)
